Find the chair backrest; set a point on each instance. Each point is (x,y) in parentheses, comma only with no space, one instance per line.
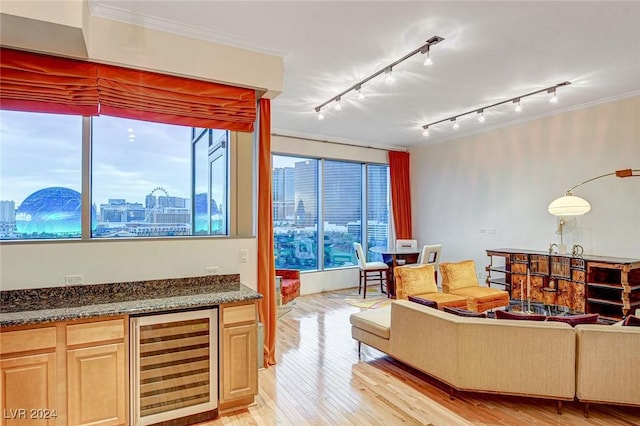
(357,247)
(407,244)
(431,255)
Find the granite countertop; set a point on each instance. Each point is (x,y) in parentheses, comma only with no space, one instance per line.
(51,304)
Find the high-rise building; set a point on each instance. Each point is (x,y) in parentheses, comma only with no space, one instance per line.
(342,192)
(283,187)
(7,211)
(306,190)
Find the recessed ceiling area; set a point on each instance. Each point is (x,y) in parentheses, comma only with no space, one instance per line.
(491,51)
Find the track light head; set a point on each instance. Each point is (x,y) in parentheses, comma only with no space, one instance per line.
(456,126)
(320,114)
(427,58)
(338,105)
(481,116)
(425,131)
(518,107)
(554,97)
(389,77)
(359,93)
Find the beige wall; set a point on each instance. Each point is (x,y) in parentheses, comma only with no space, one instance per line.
(504,179)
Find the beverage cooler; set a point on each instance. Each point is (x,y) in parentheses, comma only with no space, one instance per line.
(174,365)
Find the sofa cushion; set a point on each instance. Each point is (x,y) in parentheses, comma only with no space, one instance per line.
(374,321)
(458,275)
(631,321)
(500,314)
(463,312)
(418,279)
(574,320)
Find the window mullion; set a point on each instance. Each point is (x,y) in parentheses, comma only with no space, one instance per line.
(320,216)
(85,216)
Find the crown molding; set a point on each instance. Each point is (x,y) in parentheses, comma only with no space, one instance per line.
(174,27)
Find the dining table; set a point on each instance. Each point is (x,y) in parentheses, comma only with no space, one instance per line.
(393,257)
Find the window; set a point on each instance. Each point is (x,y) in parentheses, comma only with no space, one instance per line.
(295,215)
(342,185)
(146,178)
(211,183)
(319,209)
(40,176)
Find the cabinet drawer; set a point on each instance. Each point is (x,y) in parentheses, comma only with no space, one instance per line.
(519,268)
(577,275)
(27,340)
(93,332)
(238,314)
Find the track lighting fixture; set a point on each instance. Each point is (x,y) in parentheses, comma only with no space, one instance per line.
(320,114)
(518,107)
(516,101)
(427,58)
(425,132)
(338,105)
(389,77)
(424,49)
(359,93)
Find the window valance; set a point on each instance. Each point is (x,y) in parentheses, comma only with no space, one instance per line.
(42,83)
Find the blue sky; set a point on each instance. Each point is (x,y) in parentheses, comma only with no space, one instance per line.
(44,150)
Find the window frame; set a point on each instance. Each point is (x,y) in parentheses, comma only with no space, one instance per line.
(86,153)
(321,201)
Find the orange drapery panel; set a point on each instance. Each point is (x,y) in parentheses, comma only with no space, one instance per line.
(399,174)
(40,83)
(149,96)
(267,309)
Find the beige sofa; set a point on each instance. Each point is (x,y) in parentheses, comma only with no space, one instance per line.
(526,358)
(608,365)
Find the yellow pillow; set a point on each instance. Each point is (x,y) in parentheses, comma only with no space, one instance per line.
(458,275)
(417,280)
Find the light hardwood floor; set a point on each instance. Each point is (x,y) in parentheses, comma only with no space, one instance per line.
(320,381)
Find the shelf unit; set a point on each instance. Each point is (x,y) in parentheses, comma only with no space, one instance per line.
(609,286)
(499,274)
(613,290)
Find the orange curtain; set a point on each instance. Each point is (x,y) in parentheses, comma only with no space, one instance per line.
(41,83)
(149,96)
(399,174)
(267,309)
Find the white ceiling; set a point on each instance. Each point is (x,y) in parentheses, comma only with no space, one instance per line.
(492,51)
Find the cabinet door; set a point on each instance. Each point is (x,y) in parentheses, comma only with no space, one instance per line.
(28,390)
(96,385)
(239,369)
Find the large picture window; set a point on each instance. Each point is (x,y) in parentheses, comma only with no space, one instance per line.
(40,176)
(147,179)
(319,206)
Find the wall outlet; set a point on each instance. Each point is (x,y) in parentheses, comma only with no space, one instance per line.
(244,255)
(212,270)
(73,279)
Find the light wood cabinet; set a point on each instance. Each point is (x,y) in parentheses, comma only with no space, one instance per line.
(96,385)
(66,373)
(97,369)
(29,390)
(239,351)
(28,385)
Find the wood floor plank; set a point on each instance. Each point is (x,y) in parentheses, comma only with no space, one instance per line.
(320,381)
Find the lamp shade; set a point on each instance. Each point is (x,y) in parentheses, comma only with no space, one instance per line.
(569,205)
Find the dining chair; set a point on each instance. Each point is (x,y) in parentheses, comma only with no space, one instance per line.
(407,244)
(430,255)
(369,271)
